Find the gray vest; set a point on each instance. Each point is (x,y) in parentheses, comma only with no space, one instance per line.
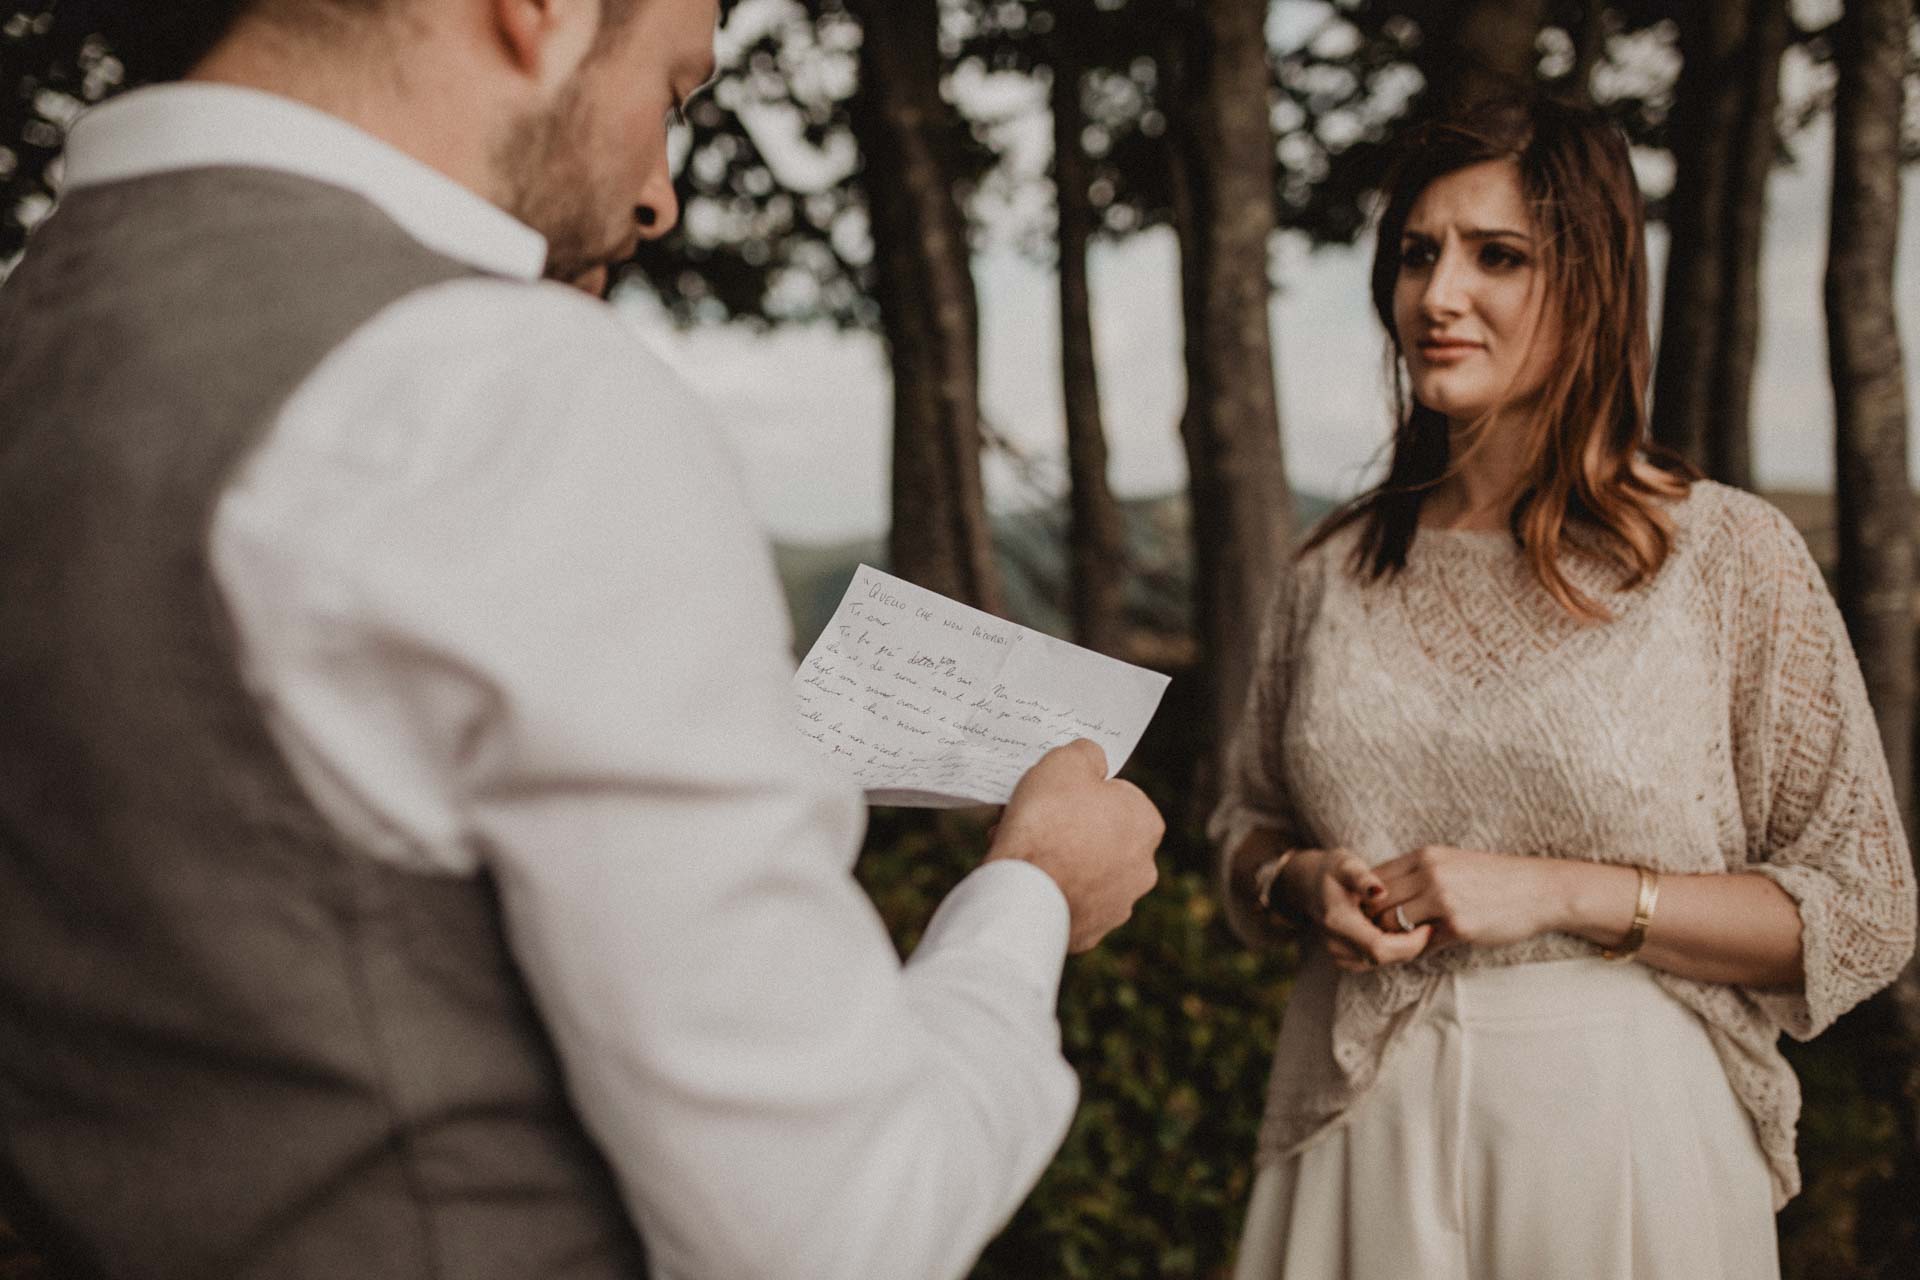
(231,1044)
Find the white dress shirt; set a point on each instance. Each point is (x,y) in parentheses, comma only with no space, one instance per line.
(503,606)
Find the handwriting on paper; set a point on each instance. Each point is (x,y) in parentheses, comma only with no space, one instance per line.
(925,701)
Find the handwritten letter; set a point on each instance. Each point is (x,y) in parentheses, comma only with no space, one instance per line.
(924,701)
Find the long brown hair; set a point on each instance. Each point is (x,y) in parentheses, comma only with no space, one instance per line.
(1590,425)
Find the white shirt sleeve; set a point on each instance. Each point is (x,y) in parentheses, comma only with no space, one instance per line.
(500,598)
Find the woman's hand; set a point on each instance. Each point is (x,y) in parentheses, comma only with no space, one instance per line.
(1328,886)
(1464,895)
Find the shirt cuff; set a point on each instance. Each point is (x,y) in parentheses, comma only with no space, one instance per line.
(1013,909)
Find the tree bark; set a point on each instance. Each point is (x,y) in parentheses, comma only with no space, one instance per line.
(1223,168)
(1754,147)
(1873,496)
(1723,143)
(1096,538)
(1590,43)
(929,314)
(1486,49)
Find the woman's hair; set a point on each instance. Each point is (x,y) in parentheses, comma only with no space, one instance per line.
(1589,425)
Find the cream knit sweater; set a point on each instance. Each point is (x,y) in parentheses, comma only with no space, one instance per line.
(1717,724)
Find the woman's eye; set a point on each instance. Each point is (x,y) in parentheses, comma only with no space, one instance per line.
(1500,257)
(1416,254)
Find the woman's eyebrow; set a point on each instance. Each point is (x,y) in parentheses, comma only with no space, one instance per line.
(1472,233)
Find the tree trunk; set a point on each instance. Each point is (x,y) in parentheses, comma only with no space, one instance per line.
(1873,497)
(1485,50)
(1589,44)
(1754,147)
(1096,538)
(1223,167)
(1723,142)
(924,286)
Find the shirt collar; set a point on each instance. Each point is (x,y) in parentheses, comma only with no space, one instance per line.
(198,125)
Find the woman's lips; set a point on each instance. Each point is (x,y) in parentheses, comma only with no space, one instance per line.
(1446,350)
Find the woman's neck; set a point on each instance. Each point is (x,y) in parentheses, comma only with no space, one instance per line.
(1483,484)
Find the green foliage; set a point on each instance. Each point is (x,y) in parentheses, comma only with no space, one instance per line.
(1858,1217)
(1170,1026)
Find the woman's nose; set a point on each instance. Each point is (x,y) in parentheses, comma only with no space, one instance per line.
(1445,294)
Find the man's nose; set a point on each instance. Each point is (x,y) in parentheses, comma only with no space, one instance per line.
(658,211)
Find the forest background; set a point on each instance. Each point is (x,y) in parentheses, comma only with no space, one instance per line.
(869,179)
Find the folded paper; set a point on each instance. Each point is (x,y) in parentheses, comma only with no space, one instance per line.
(927,702)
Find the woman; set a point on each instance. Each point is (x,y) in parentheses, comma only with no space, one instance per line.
(1542,698)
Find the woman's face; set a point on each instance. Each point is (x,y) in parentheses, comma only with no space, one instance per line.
(1469,300)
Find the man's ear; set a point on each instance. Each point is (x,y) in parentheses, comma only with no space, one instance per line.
(546,40)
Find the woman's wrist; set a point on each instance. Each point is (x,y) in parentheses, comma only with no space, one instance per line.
(1264,877)
(1275,880)
(1252,866)
(1293,886)
(1593,900)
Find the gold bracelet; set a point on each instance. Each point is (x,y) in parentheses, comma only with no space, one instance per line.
(1642,917)
(1264,879)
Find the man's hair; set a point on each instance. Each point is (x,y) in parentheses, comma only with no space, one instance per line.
(322,15)
(169,38)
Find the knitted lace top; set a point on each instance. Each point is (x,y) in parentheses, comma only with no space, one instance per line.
(1717,724)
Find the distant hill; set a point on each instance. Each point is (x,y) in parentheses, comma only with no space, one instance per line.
(1813,515)
(1033,554)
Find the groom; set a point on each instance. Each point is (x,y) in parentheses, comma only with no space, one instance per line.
(407,867)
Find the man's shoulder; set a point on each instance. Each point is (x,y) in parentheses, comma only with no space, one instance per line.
(489,325)
(486,349)
(488,401)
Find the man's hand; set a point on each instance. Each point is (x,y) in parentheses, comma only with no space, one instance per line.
(1094,837)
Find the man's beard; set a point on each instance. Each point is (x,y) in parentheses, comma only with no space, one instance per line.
(550,184)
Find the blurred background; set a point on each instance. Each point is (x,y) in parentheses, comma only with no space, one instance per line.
(1059,307)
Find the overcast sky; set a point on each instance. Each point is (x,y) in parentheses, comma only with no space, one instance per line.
(809,410)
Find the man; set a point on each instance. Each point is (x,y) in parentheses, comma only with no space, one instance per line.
(406,862)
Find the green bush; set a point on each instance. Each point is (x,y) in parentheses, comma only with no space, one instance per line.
(1170,1025)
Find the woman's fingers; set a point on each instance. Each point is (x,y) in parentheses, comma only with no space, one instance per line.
(1345,954)
(1352,873)
(1344,919)
(1347,929)
(1388,949)
(1351,893)
(1417,901)
(1394,868)
(1426,909)
(1340,946)
(1398,948)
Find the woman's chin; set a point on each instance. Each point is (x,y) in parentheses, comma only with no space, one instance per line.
(1457,408)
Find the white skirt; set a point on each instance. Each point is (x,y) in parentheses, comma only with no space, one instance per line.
(1567,1120)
